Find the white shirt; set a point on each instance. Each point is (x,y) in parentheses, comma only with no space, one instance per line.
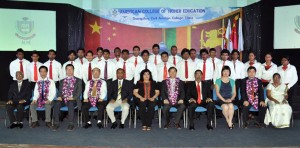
(289,75)
(181,70)
(83,60)
(152,59)
(132,59)
(52,90)
(160,70)
(177,59)
(268,74)
(209,70)
(96,59)
(30,71)
(111,69)
(77,70)
(257,65)
(218,70)
(56,70)
(116,61)
(196,61)
(85,70)
(14,66)
(130,69)
(216,60)
(140,67)
(239,69)
(103,90)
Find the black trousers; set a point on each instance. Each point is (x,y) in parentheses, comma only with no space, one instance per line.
(56,110)
(32,85)
(261,113)
(166,112)
(238,84)
(291,94)
(108,82)
(147,109)
(210,106)
(19,114)
(85,110)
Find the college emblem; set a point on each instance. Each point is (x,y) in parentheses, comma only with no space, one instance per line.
(24,29)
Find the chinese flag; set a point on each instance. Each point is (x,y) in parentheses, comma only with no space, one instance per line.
(234,37)
(92,30)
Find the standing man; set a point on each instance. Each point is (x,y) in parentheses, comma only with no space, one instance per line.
(224,56)
(77,66)
(87,67)
(54,67)
(186,67)
(80,54)
(145,65)
(155,57)
(174,58)
(99,55)
(19,64)
(117,52)
(206,67)
(108,68)
(212,57)
(193,55)
(32,69)
(239,69)
(136,58)
(127,66)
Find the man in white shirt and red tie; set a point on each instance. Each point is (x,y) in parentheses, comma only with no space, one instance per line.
(54,68)
(206,68)
(212,57)
(117,52)
(19,64)
(155,57)
(77,66)
(193,55)
(80,54)
(224,61)
(146,64)
(239,70)
(186,67)
(136,58)
(174,58)
(289,76)
(32,69)
(108,68)
(127,66)
(87,67)
(252,62)
(99,55)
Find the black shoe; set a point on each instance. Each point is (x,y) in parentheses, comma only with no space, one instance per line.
(167,126)
(209,127)
(87,125)
(121,126)
(246,124)
(192,128)
(55,127)
(100,125)
(114,125)
(177,125)
(34,124)
(70,128)
(48,124)
(20,125)
(13,125)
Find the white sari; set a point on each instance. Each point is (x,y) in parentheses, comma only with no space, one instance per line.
(278,114)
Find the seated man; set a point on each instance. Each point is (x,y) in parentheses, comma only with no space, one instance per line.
(119,93)
(253,95)
(172,94)
(44,93)
(70,89)
(19,95)
(94,94)
(199,94)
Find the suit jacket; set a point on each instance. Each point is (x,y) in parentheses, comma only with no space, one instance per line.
(260,90)
(165,93)
(192,91)
(77,88)
(126,90)
(25,91)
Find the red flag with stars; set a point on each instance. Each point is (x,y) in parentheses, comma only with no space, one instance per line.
(91,31)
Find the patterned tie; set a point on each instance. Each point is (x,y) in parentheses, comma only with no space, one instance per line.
(90,71)
(119,90)
(155,61)
(35,73)
(165,71)
(21,67)
(199,93)
(186,70)
(43,87)
(124,68)
(204,70)
(50,71)
(105,71)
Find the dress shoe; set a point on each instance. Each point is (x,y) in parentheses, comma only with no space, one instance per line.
(209,127)
(114,125)
(70,128)
(167,126)
(245,125)
(55,127)
(99,125)
(20,125)
(13,125)
(121,126)
(177,125)
(192,128)
(48,124)
(87,125)
(34,124)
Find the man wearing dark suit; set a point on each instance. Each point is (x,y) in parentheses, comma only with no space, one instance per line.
(119,94)
(199,94)
(70,89)
(19,94)
(172,93)
(252,87)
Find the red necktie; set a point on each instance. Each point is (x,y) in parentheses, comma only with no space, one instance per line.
(199,93)
(35,75)
(135,62)
(174,60)
(284,68)
(204,70)
(90,71)
(155,61)
(124,68)
(105,71)
(81,61)
(223,63)
(50,70)
(21,67)
(213,60)
(234,64)
(165,71)
(186,70)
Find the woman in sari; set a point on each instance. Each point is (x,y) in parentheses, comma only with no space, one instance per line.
(279,112)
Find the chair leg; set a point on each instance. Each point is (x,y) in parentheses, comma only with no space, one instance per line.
(78,122)
(81,119)
(159,118)
(215,118)
(129,124)
(29,117)
(186,118)
(238,110)
(5,120)
(104,116)
(135,118)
